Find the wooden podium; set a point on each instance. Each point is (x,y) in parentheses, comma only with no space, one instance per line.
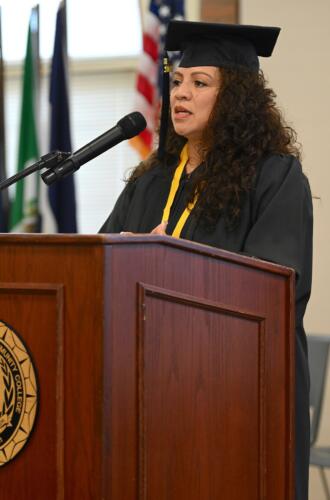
(165,370)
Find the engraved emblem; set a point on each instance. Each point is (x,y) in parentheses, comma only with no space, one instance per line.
(18,394)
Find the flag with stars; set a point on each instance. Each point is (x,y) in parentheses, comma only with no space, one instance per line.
(150,74)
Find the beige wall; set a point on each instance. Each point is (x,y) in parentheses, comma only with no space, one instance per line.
(299,71)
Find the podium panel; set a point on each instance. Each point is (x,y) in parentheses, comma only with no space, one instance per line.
(37,311)
(193,405)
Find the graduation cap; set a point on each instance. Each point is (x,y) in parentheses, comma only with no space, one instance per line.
(232,46)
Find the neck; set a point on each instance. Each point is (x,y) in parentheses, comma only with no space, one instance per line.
(194,158)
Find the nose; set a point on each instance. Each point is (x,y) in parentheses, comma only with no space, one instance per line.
(183,91)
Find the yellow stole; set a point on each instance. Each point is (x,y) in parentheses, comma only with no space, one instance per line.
(174,187)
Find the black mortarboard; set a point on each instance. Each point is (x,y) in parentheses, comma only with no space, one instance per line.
(222,45)
(232,46)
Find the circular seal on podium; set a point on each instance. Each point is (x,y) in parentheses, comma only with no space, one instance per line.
(18,394)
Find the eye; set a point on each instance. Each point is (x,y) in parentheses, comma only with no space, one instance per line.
(175,82)
(199,84)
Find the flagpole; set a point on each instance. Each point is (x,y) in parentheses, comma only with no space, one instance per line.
(4,201)
(35,42)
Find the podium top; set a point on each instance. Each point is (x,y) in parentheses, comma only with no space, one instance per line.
(32,239)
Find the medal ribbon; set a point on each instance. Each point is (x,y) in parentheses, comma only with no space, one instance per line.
(174,187)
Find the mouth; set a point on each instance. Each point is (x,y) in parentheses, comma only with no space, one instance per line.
(181,112)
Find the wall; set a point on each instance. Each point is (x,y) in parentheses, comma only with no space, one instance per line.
(299,71)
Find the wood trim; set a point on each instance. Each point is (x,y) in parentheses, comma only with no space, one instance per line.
(141,431)
(199,302)
(291,392)
(262,409)
(145,239)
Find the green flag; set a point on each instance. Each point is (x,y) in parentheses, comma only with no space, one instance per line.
(24,216)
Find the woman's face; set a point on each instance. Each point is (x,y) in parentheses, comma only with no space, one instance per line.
(193,95)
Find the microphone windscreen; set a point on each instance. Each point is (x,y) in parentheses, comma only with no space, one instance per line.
(132,124)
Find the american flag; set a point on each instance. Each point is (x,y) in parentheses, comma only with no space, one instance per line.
(150,76)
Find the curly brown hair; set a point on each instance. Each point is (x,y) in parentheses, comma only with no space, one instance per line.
(245,126)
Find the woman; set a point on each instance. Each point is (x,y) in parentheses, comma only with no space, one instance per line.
(228,173)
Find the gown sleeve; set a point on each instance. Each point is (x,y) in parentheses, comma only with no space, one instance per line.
(282,217)
(116,220)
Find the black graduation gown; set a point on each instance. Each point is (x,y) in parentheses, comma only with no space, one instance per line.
(276,224)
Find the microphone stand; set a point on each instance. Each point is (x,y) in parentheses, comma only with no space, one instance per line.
(49,161)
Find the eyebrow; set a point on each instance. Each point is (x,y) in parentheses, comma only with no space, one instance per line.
(194,74)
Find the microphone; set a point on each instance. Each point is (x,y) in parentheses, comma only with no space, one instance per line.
(129,126)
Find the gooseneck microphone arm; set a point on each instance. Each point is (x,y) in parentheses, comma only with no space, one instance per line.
(49,160)
(60,164)
(127,127)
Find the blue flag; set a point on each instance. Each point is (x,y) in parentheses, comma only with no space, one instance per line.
(62,194)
